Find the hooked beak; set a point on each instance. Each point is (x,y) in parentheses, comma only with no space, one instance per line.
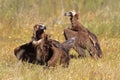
(67,14)
(43,27)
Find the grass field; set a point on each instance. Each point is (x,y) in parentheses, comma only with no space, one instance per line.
(101,17)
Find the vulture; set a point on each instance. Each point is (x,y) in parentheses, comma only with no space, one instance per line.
(85,40)
(51,52)
(43,50)
(27,51)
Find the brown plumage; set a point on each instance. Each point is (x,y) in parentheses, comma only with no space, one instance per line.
(84,38)
(61,52)
(51,52)
(27,52)
(43,50)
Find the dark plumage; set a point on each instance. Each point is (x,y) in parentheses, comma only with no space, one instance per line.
(43,50)
(84,38)
(51,52)
(27,52)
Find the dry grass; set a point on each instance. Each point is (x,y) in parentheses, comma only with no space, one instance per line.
(106,68)
(17,29)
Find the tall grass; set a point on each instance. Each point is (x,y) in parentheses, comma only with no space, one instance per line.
(17,18)
(25,13)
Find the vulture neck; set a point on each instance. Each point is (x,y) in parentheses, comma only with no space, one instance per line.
(76,25)
(37,37)
(74,21)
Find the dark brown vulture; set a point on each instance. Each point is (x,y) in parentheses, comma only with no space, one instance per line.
(43,50)
(50,52)
(27,52)
(85,40)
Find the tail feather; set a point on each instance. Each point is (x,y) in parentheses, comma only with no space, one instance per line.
(96,44)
